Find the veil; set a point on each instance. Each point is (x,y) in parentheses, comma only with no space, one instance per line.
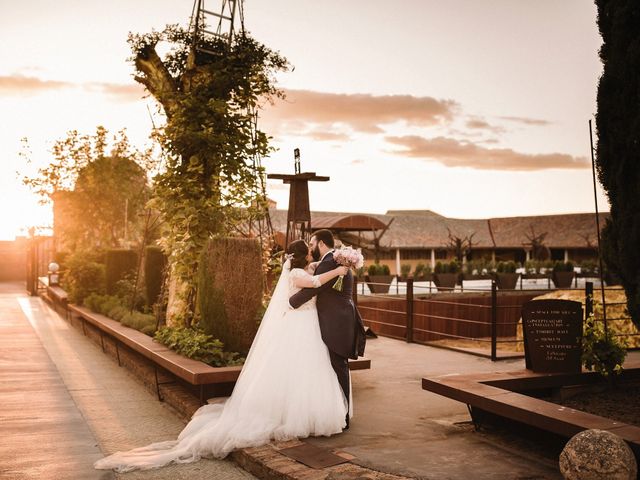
(217,429)
(278,306)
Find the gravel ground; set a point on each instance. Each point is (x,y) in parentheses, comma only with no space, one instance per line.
(620,403)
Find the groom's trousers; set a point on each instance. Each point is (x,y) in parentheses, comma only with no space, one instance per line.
(341,367)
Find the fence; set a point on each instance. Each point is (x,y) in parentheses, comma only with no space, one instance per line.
(479,321)
(40,251)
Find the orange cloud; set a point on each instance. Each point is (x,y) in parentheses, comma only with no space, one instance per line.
(131,92)
(360,112)
(477,123)
(528,121)
(327,136)
(454,153)
(17,84)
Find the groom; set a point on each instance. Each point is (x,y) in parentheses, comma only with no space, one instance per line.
(340,323)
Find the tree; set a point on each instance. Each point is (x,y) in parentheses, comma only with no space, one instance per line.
(618,133)
(539,251)
(461,246)
(96,195)
(209,182)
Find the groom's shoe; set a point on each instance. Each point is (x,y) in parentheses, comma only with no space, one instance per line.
(346,426)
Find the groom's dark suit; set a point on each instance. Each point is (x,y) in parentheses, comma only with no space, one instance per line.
(340,322)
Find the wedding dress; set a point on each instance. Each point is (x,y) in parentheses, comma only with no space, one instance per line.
(287,389)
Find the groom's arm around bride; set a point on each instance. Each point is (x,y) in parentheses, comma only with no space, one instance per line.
(340,322)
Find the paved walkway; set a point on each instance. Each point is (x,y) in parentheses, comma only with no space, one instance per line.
(399,428)
(67,403)
(64,404)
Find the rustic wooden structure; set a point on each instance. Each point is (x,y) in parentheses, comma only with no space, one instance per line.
(299,213)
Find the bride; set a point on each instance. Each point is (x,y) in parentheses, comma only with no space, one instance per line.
(287,388)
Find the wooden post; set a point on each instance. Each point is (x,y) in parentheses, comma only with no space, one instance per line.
(494,321)
(409,310)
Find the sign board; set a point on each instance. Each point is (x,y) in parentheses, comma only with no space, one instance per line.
(552,331)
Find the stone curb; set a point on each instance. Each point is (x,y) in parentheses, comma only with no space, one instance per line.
(267,463)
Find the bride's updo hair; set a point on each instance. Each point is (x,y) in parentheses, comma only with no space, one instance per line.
(299,249)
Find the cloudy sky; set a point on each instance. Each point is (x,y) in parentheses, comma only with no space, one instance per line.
(469,108)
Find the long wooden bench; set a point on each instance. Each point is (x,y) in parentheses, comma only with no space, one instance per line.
(499,394)
(56,294)
(191,371)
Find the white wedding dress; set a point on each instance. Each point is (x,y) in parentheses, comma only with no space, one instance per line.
(287,389)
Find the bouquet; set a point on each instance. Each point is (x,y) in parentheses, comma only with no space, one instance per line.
(347,257)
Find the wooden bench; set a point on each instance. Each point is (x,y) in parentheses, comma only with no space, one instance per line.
(498,394)
(191,371)
(57,295)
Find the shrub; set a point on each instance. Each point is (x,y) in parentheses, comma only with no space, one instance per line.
(603,353)
(83,277)
(563,267)
(589,266)
(112,307)
(144,322)
(531,266)
(419,271)
(196,344)
(119,264)
(154,264)
(405,269)
(478,267)
(447,267)
(506,267)
(230,288)
(378,269)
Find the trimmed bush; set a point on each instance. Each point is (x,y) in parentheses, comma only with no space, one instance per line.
(119,264)
(155,262)
(506,267)
(83,277)
(112,307)
(419,271)
(405,269)
(378,269)
(230,289)
(563,267)
(447,267)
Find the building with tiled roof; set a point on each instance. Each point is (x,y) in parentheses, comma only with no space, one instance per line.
(415,236)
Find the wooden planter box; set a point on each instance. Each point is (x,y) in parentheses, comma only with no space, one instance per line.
(445,281)
(563,279)
(506,281)
(379,283)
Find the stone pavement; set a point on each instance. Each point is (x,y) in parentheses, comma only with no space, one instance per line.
(93,406)
(64,404)
(401,429)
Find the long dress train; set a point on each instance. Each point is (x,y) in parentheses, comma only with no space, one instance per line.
(287,389)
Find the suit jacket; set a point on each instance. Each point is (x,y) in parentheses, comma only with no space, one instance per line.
(340,322)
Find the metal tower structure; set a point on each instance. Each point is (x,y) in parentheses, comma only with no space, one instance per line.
(225,23)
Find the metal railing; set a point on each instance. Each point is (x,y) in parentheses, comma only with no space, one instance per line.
(480,321)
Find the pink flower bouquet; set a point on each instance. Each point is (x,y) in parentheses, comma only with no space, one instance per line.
(347,257)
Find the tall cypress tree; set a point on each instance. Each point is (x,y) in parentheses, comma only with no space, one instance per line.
(618,131)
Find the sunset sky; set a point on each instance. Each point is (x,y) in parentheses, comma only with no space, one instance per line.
(469,108)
